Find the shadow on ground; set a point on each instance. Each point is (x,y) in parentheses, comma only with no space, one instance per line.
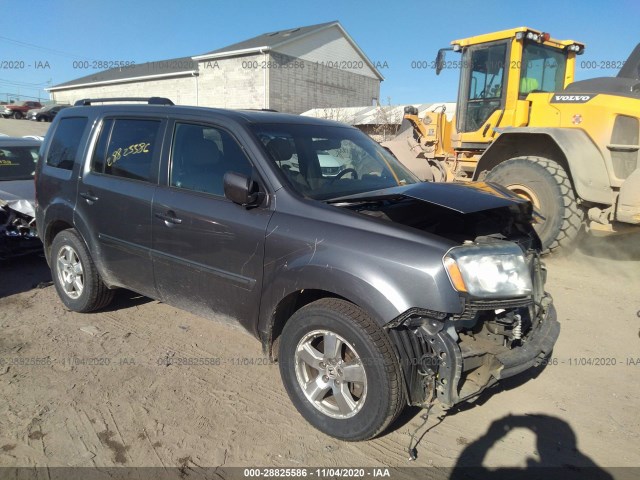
(21,274)
(125,299)
(556,450)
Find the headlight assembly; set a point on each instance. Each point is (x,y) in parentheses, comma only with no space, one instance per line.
(489,271)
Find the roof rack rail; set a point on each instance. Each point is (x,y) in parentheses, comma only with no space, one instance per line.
(149,100)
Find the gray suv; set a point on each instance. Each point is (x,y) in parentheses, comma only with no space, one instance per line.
(371,289)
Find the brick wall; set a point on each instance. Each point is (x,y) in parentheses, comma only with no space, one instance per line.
(181,90)
(296,86)
(235,82)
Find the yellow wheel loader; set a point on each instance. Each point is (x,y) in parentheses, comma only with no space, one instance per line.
(571,148)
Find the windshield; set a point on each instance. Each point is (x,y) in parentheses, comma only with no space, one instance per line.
(17,163)
(325,162)
(543,69)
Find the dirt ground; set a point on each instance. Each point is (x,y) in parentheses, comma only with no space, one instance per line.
(94,389)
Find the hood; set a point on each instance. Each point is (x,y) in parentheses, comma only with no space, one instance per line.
(457,212)
(19,195)
(460,197)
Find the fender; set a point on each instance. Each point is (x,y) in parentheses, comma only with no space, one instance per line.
(332,280)
(571,147)
(384,288)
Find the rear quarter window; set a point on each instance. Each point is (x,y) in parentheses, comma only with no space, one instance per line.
(65,142)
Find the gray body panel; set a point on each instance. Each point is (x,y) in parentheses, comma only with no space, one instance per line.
(383,266)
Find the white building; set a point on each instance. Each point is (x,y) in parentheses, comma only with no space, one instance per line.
(290,70)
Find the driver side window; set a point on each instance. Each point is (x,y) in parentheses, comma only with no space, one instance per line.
(201,155)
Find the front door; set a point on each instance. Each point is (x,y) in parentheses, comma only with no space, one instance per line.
(207,251)
(482,85)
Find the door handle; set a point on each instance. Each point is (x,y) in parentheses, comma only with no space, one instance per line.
(169,218)
(89,197)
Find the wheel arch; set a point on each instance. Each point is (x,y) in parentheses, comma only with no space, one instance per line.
(570,148)
(284,310)
(284,298)
(53,229)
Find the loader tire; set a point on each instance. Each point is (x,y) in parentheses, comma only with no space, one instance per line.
(546,185)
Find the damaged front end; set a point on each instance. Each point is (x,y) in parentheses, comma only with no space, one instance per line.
(454,357)
(506,323)
(18,234)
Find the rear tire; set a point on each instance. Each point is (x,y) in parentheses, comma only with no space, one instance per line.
(75,276)
(547,182)
(351,392)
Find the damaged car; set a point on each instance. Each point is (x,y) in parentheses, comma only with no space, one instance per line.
(18,234)
(372,290)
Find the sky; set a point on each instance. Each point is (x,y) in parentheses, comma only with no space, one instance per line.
(44,42)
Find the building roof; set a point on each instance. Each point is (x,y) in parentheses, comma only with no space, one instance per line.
(267,40)
(274,40)
(375,115)
(159,69)
(189,65)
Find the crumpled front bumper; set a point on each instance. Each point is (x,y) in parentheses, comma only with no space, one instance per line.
(539,346)
(440,361)
(469,371)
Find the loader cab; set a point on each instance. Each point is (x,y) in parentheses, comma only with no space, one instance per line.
(498,72)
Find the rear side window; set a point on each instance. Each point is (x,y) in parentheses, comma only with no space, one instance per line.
(65,142)
(125,148)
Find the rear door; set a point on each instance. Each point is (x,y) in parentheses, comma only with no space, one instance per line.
(114,199)
(207,251)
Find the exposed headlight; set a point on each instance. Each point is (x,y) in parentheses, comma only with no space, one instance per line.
(489,271)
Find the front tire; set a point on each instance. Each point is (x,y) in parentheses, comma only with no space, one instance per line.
(17,115)
(545,184)
(340,370)
(75,276)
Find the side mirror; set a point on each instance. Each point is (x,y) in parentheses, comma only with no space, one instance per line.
(440,60)
(242,190)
